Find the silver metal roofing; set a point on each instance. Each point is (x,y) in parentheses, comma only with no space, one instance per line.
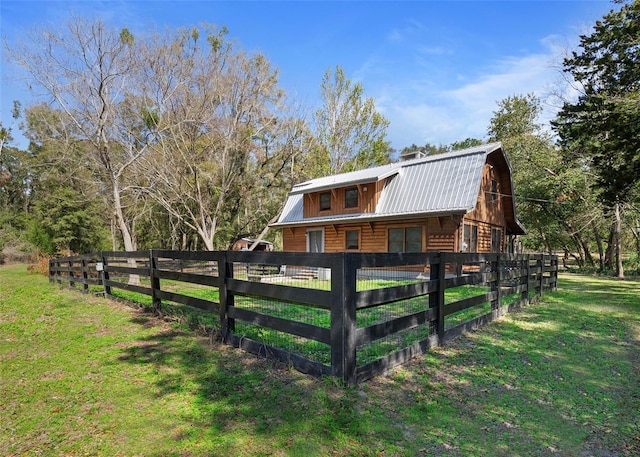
(434,185)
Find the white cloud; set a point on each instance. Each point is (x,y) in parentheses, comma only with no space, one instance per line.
(421,113)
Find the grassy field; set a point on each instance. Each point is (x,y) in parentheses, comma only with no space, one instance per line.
(82,375)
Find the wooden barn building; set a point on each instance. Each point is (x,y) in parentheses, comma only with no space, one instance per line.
(461,201)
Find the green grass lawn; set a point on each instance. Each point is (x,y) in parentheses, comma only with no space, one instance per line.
(83,375)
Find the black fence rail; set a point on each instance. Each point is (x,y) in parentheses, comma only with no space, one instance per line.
(349,315)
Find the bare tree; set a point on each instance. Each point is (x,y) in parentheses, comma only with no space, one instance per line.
(85,70)
(222,143)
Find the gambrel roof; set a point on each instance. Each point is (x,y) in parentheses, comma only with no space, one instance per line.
(437,185)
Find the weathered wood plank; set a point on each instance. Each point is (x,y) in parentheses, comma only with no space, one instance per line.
(129,287)
(144,272)
(300,363)
(312,332)
(191,278)
(313,297)
(199,303)
(470,279)
(386,363)
(469,303)
(375,297)
(374,332)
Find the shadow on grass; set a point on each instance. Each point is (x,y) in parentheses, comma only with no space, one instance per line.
(557,378)
(240,404)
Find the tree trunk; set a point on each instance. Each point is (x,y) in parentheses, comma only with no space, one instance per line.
(610,251)
(130,244)
(618,225)
(598,238)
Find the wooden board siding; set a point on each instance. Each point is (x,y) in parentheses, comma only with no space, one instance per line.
(368,195)
(294,239)
(489,212)
(488,209)
(438,234)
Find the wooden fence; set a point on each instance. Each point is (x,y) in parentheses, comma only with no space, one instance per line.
(349,315)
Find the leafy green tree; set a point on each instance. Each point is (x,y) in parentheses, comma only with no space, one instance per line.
(348,128)
(68,214)
(602,127)
(464,144)
(552,197)
(415,151)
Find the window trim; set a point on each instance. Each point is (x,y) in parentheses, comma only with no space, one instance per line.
(472,245)
(320,205)
(308,238)
(494,189)
(496,233)
(404,238)
(346,199)
(346,240)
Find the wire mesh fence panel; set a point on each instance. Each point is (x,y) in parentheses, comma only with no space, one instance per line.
(382,277)
(307,348)
(397,340)
(296,344)
(285,275)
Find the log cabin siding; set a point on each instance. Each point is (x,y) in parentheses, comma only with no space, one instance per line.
(438,234)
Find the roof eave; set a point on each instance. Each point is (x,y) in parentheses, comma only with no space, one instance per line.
(351,219)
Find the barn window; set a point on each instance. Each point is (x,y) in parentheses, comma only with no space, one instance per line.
(351,198)
(470,238)
(496,240)
(325,201)
(352,238)
(407,239)
(494,190)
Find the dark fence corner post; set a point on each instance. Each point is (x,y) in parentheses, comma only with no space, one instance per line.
(227,325)
(436,298)
(343,350)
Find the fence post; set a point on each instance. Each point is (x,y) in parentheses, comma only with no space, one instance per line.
(71,275)
(349,290)
(105,274)
(554,273)
(542,260)
(436,298)
(495,286)
(51,274)
(85,274)
(523,264)
(155,281)
(227,324)
(343,317)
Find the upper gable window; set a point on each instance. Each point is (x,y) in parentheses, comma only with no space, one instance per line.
(494,190)
(325,201)
(351,198)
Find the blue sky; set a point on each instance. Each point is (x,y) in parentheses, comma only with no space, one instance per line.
(436,69)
